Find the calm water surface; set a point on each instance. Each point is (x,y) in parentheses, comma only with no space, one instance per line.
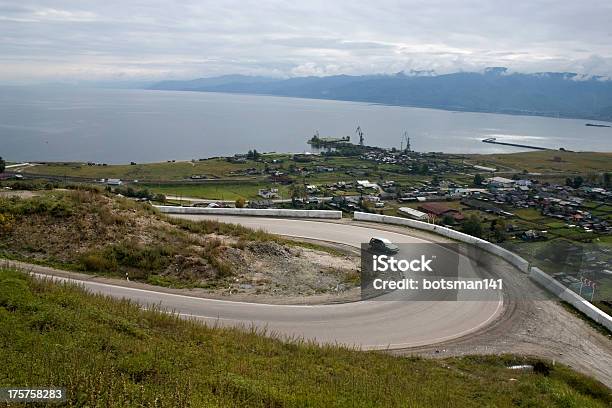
(118,126)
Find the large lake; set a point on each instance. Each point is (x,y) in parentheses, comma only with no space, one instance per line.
(118,126)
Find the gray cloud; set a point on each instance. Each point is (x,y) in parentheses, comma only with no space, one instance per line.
(151,39)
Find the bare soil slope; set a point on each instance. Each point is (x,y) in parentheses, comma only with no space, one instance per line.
(89,231)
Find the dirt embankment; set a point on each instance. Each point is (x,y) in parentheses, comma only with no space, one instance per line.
(91,232)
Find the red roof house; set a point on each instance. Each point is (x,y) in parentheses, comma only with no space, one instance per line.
(440,210)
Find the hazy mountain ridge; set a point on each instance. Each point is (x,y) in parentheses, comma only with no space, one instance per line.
(495,90)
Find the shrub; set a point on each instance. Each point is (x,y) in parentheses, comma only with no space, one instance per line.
(61,209)
(107,217)
(50,317)
(98,262)
(6,222)
(472,226)
(14,293)
(130,254)
(57,206)
(223,268)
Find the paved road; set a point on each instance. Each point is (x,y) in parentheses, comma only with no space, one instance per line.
(372,324)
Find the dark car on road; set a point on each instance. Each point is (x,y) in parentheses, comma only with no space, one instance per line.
(383,245)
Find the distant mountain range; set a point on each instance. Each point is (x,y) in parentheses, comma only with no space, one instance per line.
(494,90)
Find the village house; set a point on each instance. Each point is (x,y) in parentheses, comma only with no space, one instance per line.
(533,235)
(412,213)
(312,189)
(523,183)
(268,193)
(440,210)
(366,184)
(500,182)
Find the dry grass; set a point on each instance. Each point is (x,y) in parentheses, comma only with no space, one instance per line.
(98,233)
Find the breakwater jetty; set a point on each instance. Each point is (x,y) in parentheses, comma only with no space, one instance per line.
(494,141)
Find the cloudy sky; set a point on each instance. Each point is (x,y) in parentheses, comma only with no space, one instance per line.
(152,39)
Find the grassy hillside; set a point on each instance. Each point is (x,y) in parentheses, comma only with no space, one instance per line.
(110,353)
(98,233)
(91,231)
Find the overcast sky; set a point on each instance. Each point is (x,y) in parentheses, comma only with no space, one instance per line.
(154,39)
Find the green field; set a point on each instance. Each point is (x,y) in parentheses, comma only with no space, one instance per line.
(530,214)
(548,161)
(149,171)
(109,353)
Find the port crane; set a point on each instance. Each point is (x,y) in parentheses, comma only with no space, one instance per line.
(360,134)
(405,138)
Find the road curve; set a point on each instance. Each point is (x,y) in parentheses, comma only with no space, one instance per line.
(371,324)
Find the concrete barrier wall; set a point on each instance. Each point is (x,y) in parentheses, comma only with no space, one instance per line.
(511,257)
(253,212)
(570,297)
(541,277)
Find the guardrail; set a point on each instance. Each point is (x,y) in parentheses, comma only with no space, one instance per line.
(541,277)
(511,257)
(253,212)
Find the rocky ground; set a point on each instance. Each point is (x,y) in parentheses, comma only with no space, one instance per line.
(270,269)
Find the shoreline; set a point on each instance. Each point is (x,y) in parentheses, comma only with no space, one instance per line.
(30,163)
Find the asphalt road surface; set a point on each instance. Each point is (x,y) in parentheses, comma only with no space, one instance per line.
(373,324)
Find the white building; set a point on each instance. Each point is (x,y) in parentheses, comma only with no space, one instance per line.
(412,213)
(268,193)
(483,168)
(526,183)
(114,182)
(500,182)
(367,184)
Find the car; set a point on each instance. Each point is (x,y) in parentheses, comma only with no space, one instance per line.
(383,245)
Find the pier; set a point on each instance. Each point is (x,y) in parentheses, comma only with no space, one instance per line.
(494,141)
